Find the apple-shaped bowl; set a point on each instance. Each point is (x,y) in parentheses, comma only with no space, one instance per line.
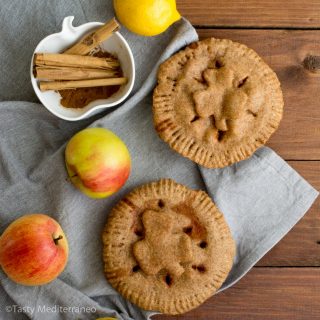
(57,43)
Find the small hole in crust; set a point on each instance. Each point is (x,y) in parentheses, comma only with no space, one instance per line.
(202,80)
(168,280)
(135,268)
(139,233)
(203,244)
(242,82)
(218,64)
(193,45)
(195,118)
(187,230)
(251,113)
(194,267)
(221,135)
(201,268)
(161,204)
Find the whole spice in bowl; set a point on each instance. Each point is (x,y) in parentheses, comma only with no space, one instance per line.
(83,73)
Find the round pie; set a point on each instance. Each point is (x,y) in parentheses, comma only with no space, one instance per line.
(216,102)
(167,248)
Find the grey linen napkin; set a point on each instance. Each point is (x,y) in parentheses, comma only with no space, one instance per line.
(261,198)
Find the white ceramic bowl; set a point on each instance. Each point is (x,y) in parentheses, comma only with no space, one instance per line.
(58,42)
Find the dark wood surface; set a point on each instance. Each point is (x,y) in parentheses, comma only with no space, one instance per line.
(252,13)
(285,284)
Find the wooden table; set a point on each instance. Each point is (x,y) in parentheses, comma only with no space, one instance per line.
(285,284)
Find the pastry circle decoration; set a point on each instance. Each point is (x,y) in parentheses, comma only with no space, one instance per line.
(167,248)
(216,102)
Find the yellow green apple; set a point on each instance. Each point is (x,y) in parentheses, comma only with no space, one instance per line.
(98,162)
(33,250)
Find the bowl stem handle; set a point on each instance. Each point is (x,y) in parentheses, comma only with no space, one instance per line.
(67,24)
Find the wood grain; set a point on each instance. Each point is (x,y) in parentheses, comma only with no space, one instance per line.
(264,293)
(298,137)
(252,13)
(301,246)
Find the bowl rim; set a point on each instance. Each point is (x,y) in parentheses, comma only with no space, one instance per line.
(87,113)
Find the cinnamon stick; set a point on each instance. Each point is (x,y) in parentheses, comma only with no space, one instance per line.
(67,60)
(67,73)
(73,84)
(92,40)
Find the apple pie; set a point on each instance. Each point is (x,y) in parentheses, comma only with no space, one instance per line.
(216,102)
(167,248)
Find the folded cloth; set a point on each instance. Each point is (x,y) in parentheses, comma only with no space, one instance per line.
(261,198)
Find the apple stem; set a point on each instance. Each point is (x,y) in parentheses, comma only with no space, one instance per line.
(57,239)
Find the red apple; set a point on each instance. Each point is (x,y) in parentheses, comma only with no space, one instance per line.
(33,250)
(98,162)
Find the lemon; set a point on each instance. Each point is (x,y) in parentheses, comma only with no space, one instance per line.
(146,17)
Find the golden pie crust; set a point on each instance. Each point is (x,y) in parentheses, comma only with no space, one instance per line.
(167,248)
(216,102)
